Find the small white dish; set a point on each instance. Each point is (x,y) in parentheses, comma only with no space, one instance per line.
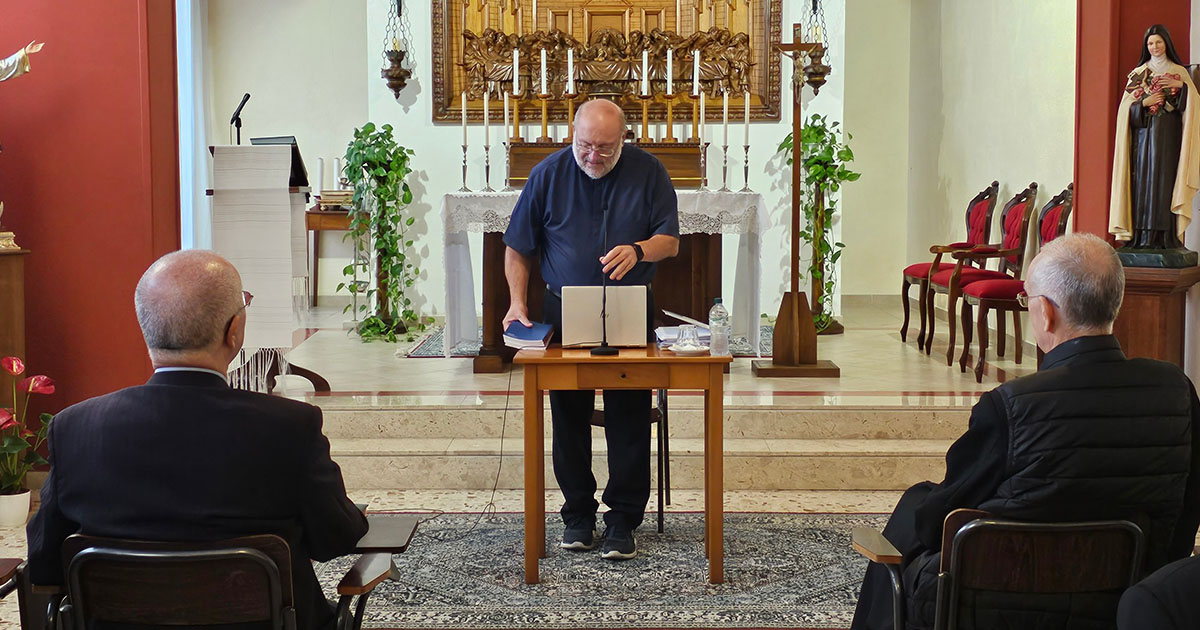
(688,350)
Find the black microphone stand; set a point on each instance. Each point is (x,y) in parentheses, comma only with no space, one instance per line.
(604,350)
(236,121)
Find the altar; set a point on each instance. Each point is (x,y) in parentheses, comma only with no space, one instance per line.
(704,216)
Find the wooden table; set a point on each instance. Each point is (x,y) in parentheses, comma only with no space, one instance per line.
(634,368)
(318,221)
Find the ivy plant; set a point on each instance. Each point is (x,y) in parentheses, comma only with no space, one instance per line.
(824,157)
(376,167)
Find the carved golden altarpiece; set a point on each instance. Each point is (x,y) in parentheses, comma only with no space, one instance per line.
(473,42)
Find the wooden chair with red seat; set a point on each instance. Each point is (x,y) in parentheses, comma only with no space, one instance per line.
(979,229)
(1014,226)
(1002,296)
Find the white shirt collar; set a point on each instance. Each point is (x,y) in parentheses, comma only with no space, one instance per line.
(192,369)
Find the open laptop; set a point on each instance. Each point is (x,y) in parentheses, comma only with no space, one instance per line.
(626,310)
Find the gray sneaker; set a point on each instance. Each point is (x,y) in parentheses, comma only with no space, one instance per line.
(619,544)
(579,538)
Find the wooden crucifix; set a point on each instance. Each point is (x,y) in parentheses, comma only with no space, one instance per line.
(795,340)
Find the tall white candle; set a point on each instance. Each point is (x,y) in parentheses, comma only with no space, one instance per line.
(670,76)
(645,72)
(337,173)
(506,134)
(320,174)
(724,119)
(464,117)
(746,100)
(487,137)
(696,73)
(516,72)
(543,72)
(570,71)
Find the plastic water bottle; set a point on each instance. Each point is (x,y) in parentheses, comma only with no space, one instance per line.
(718,328)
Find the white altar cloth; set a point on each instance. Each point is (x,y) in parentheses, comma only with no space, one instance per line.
(700,212)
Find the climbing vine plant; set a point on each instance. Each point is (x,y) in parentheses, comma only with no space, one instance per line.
(376,167)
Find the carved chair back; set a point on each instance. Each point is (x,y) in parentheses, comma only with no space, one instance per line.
(1052,223)
(1014,229)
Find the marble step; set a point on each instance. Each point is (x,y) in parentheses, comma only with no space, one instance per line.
(749,463)
(904,423)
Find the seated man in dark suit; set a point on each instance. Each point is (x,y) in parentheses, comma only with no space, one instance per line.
(1167,600)
(185,457)
(1092,435)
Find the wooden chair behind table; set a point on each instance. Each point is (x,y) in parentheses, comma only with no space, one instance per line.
(979,230)
(1001,295)
(1014,234)
(243,580)
(1017,560)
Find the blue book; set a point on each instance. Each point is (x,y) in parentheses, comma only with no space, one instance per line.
(537,336)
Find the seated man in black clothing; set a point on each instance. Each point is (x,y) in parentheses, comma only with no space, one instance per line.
(186,458)
(1167,600)
(1092,435)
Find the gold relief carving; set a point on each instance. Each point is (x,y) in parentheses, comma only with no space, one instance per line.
(607,60)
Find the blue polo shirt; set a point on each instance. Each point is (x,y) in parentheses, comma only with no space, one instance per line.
(560,216)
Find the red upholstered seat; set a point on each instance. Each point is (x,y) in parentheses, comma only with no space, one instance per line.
(920,270)
(995,289)
(969,275)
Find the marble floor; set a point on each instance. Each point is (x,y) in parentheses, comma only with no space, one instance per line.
(878,371)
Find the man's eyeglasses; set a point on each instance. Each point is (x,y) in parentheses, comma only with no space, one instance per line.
(604,152)
(1023,299)
(247,298)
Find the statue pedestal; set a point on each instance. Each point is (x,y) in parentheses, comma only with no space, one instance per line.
(1152,317)
(1162,258)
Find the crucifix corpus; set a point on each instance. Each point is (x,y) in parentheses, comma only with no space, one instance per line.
(795,341)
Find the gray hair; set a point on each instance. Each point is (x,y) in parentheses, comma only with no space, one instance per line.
(613,108)
(185,299)
(1083,276)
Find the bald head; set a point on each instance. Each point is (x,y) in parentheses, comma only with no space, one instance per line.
(1083,276)
(184,301)
(601,115)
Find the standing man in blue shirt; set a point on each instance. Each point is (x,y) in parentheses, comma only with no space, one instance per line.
(561,220)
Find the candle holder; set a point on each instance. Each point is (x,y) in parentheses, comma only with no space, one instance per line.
(670,119)
(507,168)
(746,170)
(570,98)
(464,165)
(703,166)
(724,169)
(487,169)
(645,117)
(545,98)
(695,117)
(516,130)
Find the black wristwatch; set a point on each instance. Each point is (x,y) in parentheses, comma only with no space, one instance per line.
(638,250)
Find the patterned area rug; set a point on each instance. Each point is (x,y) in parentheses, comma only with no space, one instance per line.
(431,346)
(781,570)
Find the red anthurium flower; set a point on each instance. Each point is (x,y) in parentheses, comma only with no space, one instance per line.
(13,365)
(7,421)
(40,384)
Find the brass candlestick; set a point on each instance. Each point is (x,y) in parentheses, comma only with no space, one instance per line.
(695,116)
(746,169)
(464,169)
(670,119)
(516,130)
(645,117)
(545,98)
(570,96)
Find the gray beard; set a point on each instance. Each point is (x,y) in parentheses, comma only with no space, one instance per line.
(586,171)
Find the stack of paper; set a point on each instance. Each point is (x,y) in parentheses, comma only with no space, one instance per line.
(519,337)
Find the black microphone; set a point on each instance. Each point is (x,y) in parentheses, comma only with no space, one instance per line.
(604,350)
(236,120)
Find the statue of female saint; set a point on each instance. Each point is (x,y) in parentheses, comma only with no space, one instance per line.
(17,63)
(1156,164)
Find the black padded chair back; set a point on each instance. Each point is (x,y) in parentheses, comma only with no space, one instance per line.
(237,581)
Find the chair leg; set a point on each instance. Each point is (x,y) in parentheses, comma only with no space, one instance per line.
(1018,337)
(966,327)
(897,595)
(1001,333)
(983,342)
(904,303)
(922,295)
(661,425)
(666,433)
(931,318)
(951,306)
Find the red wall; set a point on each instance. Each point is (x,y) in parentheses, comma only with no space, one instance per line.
(1109,42)
(89,177)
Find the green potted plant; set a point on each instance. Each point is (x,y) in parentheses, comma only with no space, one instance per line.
(17,454)
(376,167)
(824,158)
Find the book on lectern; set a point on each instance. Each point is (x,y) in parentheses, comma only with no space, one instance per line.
(519,337)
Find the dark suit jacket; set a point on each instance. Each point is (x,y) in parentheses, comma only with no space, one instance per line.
(185,457)
(1167,600)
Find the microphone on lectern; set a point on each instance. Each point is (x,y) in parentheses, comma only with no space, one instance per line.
(604,350)
(236,120)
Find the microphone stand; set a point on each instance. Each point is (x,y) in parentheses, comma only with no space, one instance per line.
(604,350)
(236,120)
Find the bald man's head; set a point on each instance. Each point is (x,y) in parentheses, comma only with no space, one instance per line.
(185,300)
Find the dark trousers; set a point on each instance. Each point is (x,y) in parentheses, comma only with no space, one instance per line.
(627,432)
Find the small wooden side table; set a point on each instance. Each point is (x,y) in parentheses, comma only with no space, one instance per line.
(556,368)
(318,221)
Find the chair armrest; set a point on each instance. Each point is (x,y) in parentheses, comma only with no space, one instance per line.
(981,254)
(872,545)
(946,249)
(8,568)
(387,532)
(367,572)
